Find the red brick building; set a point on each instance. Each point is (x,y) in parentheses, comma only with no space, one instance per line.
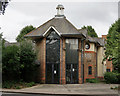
(109,65)
(66,54)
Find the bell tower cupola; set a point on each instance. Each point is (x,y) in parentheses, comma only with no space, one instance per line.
(60,11)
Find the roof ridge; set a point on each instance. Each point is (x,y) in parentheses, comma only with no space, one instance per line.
(63,25)
(39,27)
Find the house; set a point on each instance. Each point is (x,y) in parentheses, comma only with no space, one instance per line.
(67,55)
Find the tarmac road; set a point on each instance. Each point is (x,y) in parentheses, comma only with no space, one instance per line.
(17,94)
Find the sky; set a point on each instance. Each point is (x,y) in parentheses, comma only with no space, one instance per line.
(20,13)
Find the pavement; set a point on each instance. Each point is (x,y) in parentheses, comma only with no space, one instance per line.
(68,89)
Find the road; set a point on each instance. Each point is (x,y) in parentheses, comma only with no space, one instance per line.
(17,94)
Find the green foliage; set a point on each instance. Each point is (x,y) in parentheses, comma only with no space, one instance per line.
(111,77)
(92,80)
(17,85)
(118,76)
(7,84)
(27,54)
(10,62)
(91,31)
(18,61)
(113,42)
(27,60)
(30,84)
(1,40)
(23,32)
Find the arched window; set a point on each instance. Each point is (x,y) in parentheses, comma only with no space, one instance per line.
(90,70)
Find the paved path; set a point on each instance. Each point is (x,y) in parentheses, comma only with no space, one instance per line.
(20,94)
(69,89)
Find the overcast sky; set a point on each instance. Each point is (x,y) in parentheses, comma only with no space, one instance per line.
(100,15)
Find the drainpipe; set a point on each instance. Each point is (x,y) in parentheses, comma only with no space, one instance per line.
(82,59)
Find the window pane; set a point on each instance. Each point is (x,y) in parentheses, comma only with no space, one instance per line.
(53,48)
(52,57)
(108,70)
(71,51)
(90,70)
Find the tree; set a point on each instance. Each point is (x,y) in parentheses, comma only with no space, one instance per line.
(19,61)
(91,31)
(113,45)
(10,62)
(1,43)
(23,32)
(27,60)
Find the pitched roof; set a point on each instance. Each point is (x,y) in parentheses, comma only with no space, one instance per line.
(101,41)
(62,25)
(83,31)
(97,40)
(65,28)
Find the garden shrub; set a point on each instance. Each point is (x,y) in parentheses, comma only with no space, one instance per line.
(10,63)
(17,85)
(30,84)
(118,78)
(92,80)
(111,77)
(19,62)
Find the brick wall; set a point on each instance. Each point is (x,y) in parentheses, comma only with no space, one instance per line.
(109,65)
(62,61)
(90,60)
(41,48)
(79,63)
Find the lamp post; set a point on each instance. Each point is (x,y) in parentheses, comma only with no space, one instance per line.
(3,5)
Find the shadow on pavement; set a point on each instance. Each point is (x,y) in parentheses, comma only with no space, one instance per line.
(16,94)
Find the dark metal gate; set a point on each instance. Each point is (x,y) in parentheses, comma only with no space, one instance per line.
(71,74)
(52,73)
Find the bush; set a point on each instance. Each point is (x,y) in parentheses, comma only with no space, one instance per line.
(19,62)
(7,84)
(111,77)
(30,84)
(16,85)
(27,61)
(92,80)
(10,63)
(118,78)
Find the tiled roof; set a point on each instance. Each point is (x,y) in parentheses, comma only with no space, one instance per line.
(101,41)
(62,25)
(83,31)
(65,28)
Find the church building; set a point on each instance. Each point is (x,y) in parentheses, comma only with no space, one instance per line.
(67,55)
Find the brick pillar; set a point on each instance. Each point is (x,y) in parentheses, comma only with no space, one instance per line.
(84,61)
(62,61)
(41,47)
(79,63)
